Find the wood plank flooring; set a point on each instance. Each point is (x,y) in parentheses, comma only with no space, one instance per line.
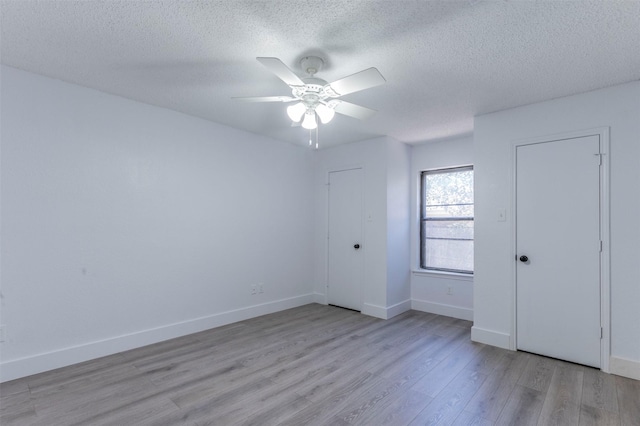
(322,365)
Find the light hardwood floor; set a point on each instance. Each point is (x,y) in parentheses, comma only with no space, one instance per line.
(322,365)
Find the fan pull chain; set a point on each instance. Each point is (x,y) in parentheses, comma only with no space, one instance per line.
(317,137)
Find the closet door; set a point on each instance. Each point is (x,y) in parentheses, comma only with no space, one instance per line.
(346,251)
(558,249)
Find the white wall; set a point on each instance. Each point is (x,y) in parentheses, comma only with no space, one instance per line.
(124,224)
(376,157)
(398,227)
(429,289)
(617,107)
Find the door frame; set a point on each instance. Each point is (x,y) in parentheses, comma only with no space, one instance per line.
(605,283)
(362,228)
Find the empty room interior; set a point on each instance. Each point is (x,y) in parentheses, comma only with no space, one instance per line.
(328,212)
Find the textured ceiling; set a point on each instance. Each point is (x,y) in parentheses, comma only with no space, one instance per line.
(444,61)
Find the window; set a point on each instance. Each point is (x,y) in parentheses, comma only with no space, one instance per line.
(446,223)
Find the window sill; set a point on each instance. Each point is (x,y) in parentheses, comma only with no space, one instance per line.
(443,274)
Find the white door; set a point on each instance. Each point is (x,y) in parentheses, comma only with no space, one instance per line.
(345,239)
(558,249)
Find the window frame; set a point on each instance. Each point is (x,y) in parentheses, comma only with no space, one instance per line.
(424,219)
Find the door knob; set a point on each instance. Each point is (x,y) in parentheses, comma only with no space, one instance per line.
(523,258)
(356,246)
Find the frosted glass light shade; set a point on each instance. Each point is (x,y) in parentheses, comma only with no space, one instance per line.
(309,122)
(325,113)
(295,112)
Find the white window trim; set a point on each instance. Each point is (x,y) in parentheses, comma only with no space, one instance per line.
(435,272)
(442,274)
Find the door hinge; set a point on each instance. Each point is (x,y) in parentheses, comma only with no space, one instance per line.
(601,332)
(599,155)
(600,246)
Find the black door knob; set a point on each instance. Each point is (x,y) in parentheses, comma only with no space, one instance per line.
(356,246)
(523,258)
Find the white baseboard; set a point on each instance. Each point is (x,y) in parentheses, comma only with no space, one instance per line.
(320,298)
(374,310)
(442,309)
(388,312)
(491,337)
(27,366)
(398,308)
(624,367)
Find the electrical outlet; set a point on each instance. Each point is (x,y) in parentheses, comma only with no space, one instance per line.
(449,290)
(260,288)
(254,289)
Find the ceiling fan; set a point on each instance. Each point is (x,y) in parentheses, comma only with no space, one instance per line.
(314,96)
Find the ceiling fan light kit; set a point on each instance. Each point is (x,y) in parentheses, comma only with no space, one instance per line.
(296,111)
(309,122)
(325,113)
(315,97)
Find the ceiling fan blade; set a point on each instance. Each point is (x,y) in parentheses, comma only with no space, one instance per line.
(282,71)
(353,110)
(370,77)
(266,99)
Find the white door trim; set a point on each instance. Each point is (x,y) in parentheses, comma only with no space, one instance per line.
(328,172)
(605,284)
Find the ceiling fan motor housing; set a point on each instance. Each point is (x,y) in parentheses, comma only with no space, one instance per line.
(312,93)
(311,64)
